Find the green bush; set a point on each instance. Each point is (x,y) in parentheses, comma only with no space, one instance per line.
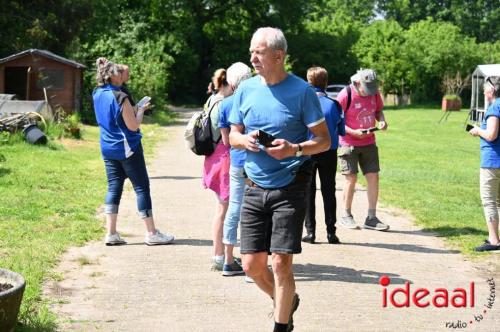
(452,97)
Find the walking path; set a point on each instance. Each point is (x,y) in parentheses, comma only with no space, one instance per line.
(171,288)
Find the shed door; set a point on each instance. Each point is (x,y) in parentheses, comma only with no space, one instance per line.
(16,81)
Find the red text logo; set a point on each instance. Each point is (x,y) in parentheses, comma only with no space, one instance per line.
(422,297)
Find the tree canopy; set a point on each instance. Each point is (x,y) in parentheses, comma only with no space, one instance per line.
(173,46)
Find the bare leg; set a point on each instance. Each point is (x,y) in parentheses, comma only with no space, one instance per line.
(111,222)
(150,225)
(285,286)
(229,253)
(493,231)
(217,227)
(372,190)
(255,266)
(348,192)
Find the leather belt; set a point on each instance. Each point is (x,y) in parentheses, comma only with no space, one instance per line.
(250,183)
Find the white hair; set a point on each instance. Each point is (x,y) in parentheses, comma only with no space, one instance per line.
(273,37)
(106,69)
(237,73)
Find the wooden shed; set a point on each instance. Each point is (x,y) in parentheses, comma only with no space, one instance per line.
(42,75)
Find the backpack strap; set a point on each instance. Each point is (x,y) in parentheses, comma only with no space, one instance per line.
(337,104)
(348,90)
(208,115)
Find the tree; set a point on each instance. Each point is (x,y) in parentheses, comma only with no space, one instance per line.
(476,18)
(434,50)
(330,29)
(381,47)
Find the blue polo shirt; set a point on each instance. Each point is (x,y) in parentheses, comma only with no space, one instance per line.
(334,118)
(490,151)
(238,156)
(117,141)
(284,110)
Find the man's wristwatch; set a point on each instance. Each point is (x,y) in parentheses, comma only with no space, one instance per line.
(299,152)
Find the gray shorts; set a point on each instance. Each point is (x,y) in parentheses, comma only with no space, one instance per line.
(272,219)
(365,156)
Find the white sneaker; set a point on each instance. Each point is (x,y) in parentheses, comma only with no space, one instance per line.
(348,222)
(249,279)
(158,238)
(114,240)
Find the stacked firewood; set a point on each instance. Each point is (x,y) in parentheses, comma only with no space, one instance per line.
(17,122)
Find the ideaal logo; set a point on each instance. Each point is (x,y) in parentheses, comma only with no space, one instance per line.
(439,298)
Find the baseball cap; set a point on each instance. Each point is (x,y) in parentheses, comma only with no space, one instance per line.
(368,80)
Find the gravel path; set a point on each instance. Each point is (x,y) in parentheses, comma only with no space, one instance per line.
(171,288)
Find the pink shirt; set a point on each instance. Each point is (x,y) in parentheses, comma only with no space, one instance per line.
(361,115)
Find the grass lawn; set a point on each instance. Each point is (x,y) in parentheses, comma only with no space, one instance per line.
(49,196)
(432,170)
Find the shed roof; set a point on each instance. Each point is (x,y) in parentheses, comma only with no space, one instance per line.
(43,53)
(487,70)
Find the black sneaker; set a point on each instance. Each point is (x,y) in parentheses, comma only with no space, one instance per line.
(295,305)
(375,224)
(332,239)
(487,246)
(233,269)
(309,238)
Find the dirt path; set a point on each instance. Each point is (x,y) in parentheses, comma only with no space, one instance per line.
(171,288)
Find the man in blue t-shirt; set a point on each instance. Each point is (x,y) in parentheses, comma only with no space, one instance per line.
(272,215)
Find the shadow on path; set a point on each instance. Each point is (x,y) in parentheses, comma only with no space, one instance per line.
(439,231)
(405,247)
(315,272)
(174,177)
(193,242)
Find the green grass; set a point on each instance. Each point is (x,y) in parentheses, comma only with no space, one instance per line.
(49,197)
(432,170)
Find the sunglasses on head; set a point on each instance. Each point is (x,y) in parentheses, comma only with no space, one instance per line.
(488,80)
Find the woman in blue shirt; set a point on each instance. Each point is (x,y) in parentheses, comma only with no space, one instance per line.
(120,140)
(490,163)
(324,163)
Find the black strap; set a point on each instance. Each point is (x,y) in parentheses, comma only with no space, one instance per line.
(210,111)
(348,90)
(337,104)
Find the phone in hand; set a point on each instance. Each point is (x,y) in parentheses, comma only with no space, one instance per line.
(265,139)
(468,127)
(143,101)
(369,130)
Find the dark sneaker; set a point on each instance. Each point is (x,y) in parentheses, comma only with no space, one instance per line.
(375,224)
(295,305)
(332,239)
(309,238)
(486,246)
(232,269)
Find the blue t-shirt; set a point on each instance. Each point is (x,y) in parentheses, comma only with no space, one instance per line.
(334,118)
(117,141)
(490,151)
(284,110)
(238,156)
